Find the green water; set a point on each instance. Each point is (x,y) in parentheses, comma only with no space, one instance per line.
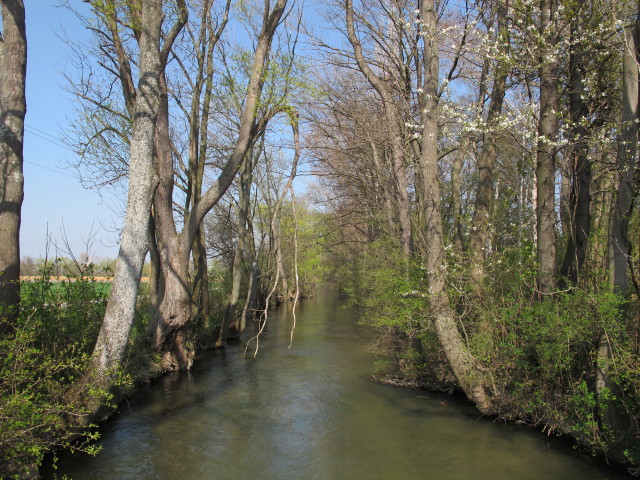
(311,412)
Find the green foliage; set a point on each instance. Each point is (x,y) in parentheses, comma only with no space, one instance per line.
(313,267)
(43,355)
(540,355)
(389,293)
(70,309)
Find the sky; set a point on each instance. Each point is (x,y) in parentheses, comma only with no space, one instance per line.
(55,201)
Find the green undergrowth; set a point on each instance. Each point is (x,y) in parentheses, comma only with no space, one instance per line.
(541,358)
(44,355)
(44,351)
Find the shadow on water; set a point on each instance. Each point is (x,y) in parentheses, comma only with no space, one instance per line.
(311,412)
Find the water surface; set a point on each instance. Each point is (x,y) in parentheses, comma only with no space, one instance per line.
(311,412)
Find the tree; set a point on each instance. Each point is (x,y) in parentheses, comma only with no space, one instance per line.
(579,205)
(487,159)
(244,202)
(144,104)
(169,329)
(13,107)
(390,85)
(547,146)
(441,312)
(619,244)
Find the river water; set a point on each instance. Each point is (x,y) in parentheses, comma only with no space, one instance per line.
(311,412)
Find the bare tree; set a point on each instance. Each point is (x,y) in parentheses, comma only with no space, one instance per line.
(390,85)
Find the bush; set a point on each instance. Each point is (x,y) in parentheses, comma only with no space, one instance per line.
(42,355)
(34,409)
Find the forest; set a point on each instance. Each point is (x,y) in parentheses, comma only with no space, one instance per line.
(474,170)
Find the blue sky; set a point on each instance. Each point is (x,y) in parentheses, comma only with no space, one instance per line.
(53,196)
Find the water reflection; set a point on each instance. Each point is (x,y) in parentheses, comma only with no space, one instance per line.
(310,412)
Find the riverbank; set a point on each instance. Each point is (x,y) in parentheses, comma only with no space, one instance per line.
(312,411)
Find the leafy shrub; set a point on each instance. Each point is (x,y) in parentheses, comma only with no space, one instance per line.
(42,355)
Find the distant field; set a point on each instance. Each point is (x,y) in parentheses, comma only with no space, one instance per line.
(63,278)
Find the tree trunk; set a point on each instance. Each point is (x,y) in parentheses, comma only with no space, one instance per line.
(170,329)
(282,274)
(400,176)
(248,310)
(442,315)
(579,207)
(456,192)
(170,333)
(155,279)
(546,150)
(114,333)
(596,255)
(244,201)
(626,161)
(487,160)
(200,299)
(619,246)
(198,147)
(13,107)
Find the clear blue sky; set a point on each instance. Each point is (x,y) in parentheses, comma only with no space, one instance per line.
(53,196)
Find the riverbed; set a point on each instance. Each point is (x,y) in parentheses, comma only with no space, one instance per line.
(310,411)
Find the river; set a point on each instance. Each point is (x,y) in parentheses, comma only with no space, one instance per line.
(311,412)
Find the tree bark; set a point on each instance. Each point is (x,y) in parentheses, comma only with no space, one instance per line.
(114,333)
(198,147)
(248,310)
(456,192)
(169,329)
(13,108)
(441,313)
(175,298)
(618,424)
(579,207)
(487,160)
(546,150)
(619,246)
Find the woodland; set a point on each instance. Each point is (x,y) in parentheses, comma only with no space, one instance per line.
(474,180)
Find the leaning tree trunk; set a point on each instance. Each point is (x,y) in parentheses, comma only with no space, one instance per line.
(442,315)
(114,333)
(546,150)
(13,107)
